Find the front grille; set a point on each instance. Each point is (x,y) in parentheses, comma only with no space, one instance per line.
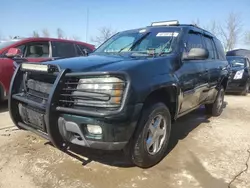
(37,87)
(66,99)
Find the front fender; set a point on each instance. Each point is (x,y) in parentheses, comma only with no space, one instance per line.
(163,81)
(224,78)
(142,89)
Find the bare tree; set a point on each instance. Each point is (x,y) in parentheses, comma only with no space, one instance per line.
(45,33)
(230,31)
(104,34)
(212,27)
(35,34)
(74,37)
(196,22)
(247,38)
(60,33)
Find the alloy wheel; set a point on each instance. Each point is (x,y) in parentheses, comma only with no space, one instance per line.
(156,134)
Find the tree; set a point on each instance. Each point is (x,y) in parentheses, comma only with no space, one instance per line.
(247,38)
(35,34)
(230,31)
(212,27)
(104,34)
(60,33)
(1,37)
(196,22)
(74,37)
(45,33)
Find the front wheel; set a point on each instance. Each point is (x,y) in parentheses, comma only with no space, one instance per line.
(216,108)
(150,141)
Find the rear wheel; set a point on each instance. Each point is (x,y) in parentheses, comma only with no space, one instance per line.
(1,94)
(216,108)
(150,141)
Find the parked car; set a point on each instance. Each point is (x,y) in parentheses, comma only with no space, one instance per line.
(126,94)
(239,52)
(36,50)
(240,74)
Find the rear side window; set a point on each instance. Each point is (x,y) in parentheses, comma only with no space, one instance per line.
(63,49)
(194,41)
(210,47)
(220,49)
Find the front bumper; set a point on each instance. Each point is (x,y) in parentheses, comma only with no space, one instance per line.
(69,123)
(237,85)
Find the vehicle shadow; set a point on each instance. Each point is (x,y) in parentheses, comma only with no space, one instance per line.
(4,106)
(180,130)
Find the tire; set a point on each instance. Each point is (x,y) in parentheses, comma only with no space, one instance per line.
(1,94)
(246,90)
(216,108)
(139,151)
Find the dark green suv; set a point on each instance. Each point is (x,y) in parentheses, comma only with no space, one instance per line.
(126,94)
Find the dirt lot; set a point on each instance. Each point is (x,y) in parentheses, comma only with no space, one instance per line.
(204,152)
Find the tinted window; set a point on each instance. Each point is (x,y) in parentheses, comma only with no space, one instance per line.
(63,49)
(210,47)
(220,49)
(36,50)
(194,41)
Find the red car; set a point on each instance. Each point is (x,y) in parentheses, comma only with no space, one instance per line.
(36,50)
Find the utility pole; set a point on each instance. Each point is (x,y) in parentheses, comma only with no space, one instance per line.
(87,25)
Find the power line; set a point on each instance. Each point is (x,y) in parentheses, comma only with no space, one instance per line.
(87,25)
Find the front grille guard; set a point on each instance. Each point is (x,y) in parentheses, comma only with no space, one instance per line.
(52,108)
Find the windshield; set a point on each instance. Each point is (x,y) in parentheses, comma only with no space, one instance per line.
(140,41)
(236,61)
(4,44)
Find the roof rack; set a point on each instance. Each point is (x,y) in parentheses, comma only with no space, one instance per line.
(176,23)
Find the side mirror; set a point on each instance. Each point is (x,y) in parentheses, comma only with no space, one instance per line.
(13,52)
(197,54)
(85,52)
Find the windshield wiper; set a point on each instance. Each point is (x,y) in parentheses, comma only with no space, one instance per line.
(164,47)
(134,43)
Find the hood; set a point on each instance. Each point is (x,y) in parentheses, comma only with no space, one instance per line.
(93,63)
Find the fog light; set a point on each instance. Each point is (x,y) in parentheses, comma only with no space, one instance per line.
(94,129)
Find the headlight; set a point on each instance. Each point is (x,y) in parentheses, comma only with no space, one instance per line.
(100,92)
(238,75)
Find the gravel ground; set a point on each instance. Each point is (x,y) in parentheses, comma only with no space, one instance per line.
(204,152)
